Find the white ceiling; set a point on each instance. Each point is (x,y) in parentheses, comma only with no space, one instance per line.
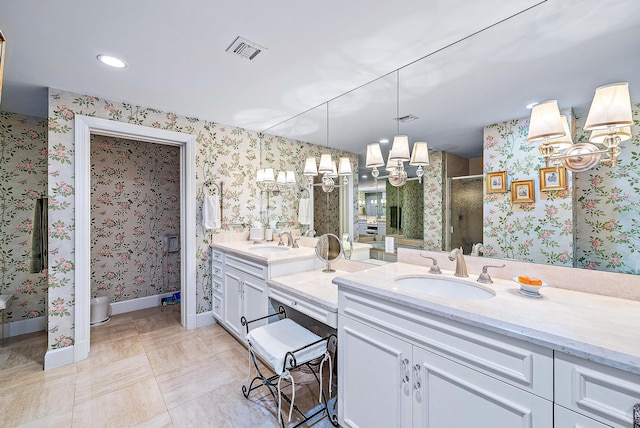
(470,76)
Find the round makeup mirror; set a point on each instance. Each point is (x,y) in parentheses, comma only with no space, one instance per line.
(328,249)
(347,246)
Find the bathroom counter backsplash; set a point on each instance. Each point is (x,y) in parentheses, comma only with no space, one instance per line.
(623,286)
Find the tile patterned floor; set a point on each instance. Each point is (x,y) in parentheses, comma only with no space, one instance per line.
(145,370)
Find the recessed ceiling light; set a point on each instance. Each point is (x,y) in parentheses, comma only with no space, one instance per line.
(112,61)
(530,106)
(384,141)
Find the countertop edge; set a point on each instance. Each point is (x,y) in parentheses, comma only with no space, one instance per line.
(608,357)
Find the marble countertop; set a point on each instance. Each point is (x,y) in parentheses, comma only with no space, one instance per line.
(313,286)
(247,249)
(599,328)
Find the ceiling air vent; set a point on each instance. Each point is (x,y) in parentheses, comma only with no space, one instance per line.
(406,118)
(245,49)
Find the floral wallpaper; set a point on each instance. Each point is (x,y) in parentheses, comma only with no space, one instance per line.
(223,154)
(540,231)
(23,179)
(433,185)
(135,202)
(608,228)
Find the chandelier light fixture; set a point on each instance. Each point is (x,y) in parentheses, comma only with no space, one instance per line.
(399,153)
(609,121)
(328,167)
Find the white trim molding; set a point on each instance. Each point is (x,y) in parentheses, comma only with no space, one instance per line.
(84,127)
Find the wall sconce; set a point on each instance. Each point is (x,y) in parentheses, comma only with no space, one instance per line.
(609,119)
(268,181)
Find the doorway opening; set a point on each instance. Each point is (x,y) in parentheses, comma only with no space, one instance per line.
(464,220)
(86,126)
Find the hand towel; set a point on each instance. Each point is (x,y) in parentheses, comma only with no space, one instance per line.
(304,215)
(211,212)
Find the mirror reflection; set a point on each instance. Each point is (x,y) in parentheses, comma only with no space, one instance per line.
(468,102)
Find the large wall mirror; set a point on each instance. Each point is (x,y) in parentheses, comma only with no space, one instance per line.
(473,94)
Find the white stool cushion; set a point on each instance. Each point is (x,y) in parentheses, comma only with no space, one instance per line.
(273,341)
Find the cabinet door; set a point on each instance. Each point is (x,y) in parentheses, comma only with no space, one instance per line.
(232,301)
(565,418)
(374,377)
(255,301)
(447,394)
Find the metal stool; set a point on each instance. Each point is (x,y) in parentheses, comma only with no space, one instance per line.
(284,346)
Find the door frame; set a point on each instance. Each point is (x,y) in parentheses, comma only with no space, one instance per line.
(84,127)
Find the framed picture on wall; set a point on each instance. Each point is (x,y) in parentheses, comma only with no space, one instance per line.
(522,191)
(497,182)
(553,178)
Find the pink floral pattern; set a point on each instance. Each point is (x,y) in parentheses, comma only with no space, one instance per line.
(538,232)
(23,179)
(135,190)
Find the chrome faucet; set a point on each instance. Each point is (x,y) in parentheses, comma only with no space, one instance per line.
(477,249)
(484,277)
(461,265)
(289,239)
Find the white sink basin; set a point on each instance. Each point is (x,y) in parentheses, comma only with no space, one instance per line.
(443,287)
(267,250)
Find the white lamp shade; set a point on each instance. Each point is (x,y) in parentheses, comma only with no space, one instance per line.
(268,175)
(420,154)
(400,149)
(545,121)
(374,156)
(565,141)
(260,176)
(282,177)
(310,168)
(611,106)
(291,177)
(598,135)
(345,166)
(391,165)
(326,162)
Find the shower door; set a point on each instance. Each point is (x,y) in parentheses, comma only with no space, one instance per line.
(465,212)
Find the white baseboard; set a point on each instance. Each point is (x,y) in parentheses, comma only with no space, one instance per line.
(58,357)
(137,304)
(205,318)
(29,325)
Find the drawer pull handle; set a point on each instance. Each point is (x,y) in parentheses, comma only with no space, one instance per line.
(403,371)
(416,374)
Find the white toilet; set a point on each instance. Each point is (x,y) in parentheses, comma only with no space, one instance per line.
(100,310)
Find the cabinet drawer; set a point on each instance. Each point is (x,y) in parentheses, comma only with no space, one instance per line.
(217,256)
(216,271)
(217,307)
(321,314)
(565,418)
(259,271)
(217,287)
(518,363)
(600,392)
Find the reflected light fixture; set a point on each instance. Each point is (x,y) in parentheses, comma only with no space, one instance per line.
(609,119)
(328,167)
(399,153)
(268,181)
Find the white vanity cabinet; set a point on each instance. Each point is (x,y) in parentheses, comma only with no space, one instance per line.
(405,368)
(595,391)
(245,293)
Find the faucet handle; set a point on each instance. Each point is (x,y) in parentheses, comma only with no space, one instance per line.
(484,277)
(435,269)
(281,242)
(295,242)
